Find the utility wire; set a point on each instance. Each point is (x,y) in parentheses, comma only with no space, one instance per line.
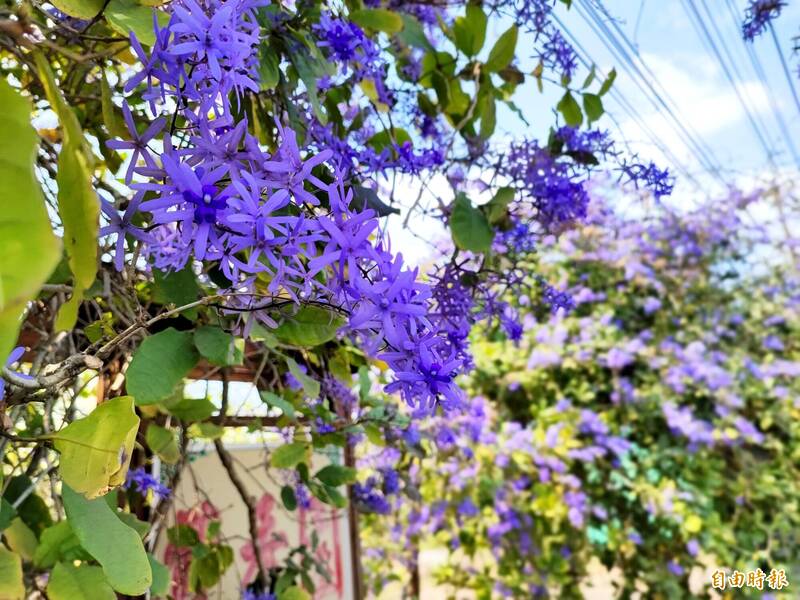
(703,32)
(653,82)
(631,110)
(784,64)
(738,76)
(608,38)
(758,68)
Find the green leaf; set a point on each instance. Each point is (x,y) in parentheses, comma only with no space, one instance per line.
(268,67)
(379,19)
(387,138)
(192,409)
(96,450)
(607,83)
(288,455)
(21,539)
(111,118)
(219,347)
(294,593)
(488,116)
(33,510)
(68,582)
(276,401)
(12,586)
(210,431)
(503,50)
(29,249)
(159,366)
(7,513)
(58,543)
(336,475)
(162,441)
(128,16)
(593,107)
(470,229)
(310,386)
(589,78)
(288,497)
(310,326)
(175,287)
(470,30)
(161,577)
(570,109)
(413,34)
(497,207)
(183,536)
(117,547)
(78,204)
(82,9)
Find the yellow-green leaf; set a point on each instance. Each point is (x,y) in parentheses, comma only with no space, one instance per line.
(163,442)
(117,547)
(78,204)
(68,582)
(21,539)
(11,584)
(29,249)
(96,450)
(128,16)
(81,9)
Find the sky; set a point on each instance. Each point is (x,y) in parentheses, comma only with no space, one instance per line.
(676,59)
(709,142)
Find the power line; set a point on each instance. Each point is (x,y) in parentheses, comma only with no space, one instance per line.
(653,82)
(758,68)
(784,64)
(756,118)
(628,107)
(611,42)
(703,33)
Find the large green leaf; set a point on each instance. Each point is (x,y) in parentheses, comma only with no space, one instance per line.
(503,50)
(470,30)
(161,578)
(130,16)
(82,9)
(176,287)
(162,441)
(311,326)
(96,450)
(68,582)
(192,409)
(380,19)
(288,455)
(21,539)
(570,109)
(219,347)
(117,547)
(28,247)
(58,543)
(78,204)
(470,229)
(11,584)
(159,365)
(294,593)
(336,475)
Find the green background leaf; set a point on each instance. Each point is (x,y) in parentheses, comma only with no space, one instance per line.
(470,229)
(503,50)
(117,547)
(379,19)
(68,582)
(288,455)
(218,347)
(163,442)
(310,326)
(11,585)
(159,365)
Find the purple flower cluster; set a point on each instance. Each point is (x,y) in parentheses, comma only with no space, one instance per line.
(758,15)
(268,222)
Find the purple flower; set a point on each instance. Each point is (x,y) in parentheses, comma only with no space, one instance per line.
(137,143)
(758,16)
(15,356)
(143,482)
